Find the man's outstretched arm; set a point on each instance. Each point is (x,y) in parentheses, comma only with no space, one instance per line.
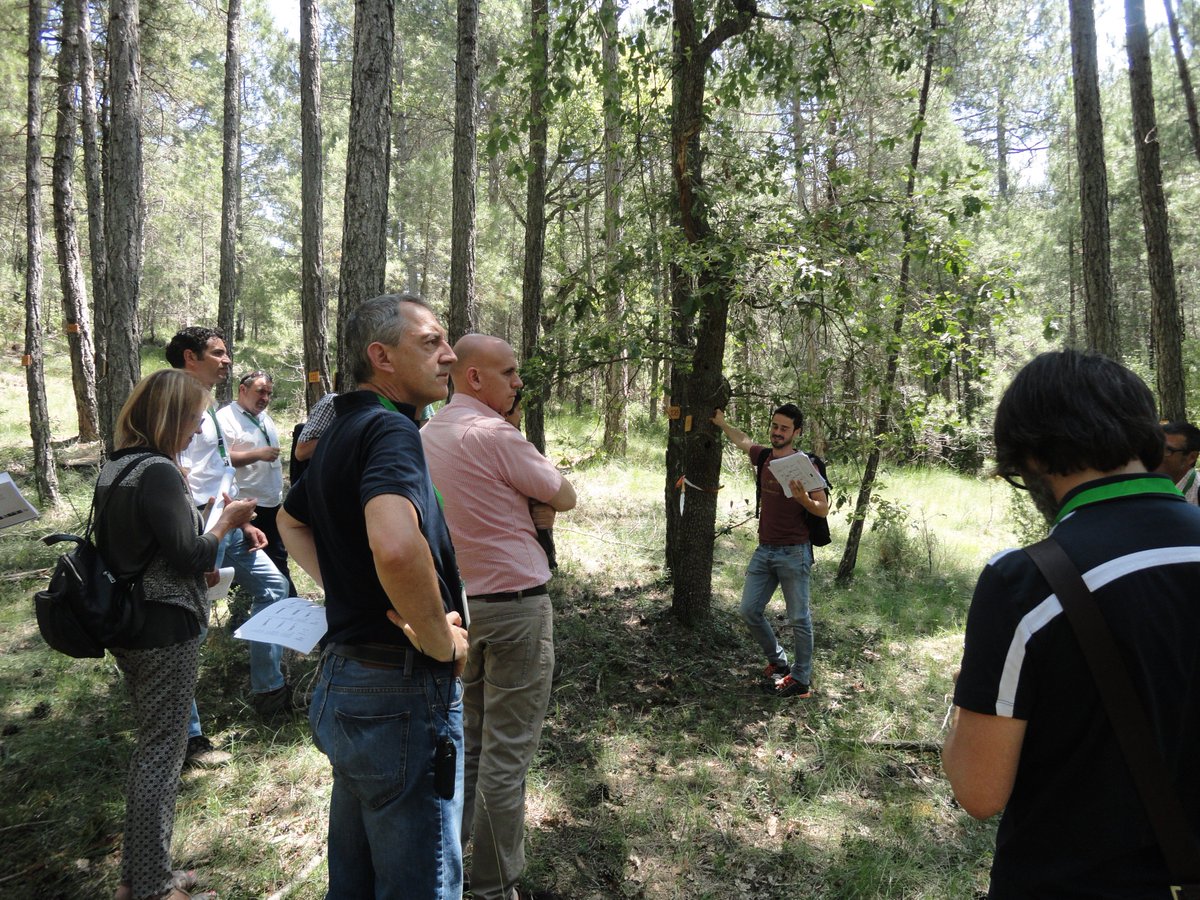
(738,438)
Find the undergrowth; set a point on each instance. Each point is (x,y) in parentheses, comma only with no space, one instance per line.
(665,770)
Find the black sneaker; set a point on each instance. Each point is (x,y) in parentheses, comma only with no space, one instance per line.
(790,687)
(776,668)
(274,703)
(201,754)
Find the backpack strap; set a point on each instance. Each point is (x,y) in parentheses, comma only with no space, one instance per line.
(763,456)
(94,513)
(1126,713)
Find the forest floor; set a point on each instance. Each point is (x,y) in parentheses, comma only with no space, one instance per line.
(665,770)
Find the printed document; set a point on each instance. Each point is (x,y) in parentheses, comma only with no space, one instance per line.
(797,467)
(293,622)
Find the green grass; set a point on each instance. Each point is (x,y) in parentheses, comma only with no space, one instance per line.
(664,771)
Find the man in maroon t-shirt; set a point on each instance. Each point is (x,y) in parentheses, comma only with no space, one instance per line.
(784,554)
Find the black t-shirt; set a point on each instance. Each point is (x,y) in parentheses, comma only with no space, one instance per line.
(1075,825)
(368,452)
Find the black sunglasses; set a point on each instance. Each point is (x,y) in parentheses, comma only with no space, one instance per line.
(258,373)
(1016,481)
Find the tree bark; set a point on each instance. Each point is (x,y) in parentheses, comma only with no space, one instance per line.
(1100,314)
(364,230)
(66,231)
(1164,303)
(35,377)
(231,177)
(700,312)
(887,390)
(95,190)
(535,225)
(464,314)
(616,375)
(1185,77)
(312,179)
(124,213)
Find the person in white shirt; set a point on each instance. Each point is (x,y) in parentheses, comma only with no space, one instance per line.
(1181,447)
(254,453)
(201,352)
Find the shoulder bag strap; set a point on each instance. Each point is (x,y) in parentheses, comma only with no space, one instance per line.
(1125,712)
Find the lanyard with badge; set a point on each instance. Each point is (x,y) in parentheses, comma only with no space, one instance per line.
(258,424)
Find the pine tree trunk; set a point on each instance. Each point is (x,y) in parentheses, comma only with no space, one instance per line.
(887,390)
(364,230)
(1164,303)
(124,213)
(1100,313)
(616,375)
(535,223)
(464,314)
(1185,78)
(231,176)
(35,376)
(95,192)
(312,179)
(66,231)
(700,313)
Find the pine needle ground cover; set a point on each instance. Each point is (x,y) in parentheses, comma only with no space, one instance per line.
(664,770)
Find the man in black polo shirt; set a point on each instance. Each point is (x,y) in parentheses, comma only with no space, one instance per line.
(1030,735)
(365,522)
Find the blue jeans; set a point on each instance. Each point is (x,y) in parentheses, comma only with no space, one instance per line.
(390,834)
(788,568)
(255,572)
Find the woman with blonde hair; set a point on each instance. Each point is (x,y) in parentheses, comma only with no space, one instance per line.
(147,523)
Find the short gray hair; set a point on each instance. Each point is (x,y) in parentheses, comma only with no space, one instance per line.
(378,319)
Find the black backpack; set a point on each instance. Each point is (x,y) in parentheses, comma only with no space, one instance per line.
(86,607)
(818,526)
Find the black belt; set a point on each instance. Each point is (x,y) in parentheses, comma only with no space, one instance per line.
(387,656)
(778,546)
(538,591)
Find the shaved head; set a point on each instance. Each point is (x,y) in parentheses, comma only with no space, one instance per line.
(486,370)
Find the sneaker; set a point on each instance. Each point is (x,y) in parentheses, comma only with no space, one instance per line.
(790,687)
(776,668)
(274,703)
(201,754)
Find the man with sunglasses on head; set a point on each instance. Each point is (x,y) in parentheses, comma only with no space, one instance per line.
(254,453)
(1181,447)
(201,352)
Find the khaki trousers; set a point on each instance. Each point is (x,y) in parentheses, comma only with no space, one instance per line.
(506,689)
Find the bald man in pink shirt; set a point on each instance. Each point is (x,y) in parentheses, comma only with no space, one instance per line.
(497,490)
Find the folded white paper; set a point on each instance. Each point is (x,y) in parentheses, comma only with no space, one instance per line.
(14,508)
(219,500)
(220,590)
(293,622)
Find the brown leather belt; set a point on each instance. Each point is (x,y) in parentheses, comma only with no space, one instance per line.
(386,656)
(502,596)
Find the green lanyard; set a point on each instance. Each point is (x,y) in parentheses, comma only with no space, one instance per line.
(220,437)
(253,418)
(1146,484)
(388,404)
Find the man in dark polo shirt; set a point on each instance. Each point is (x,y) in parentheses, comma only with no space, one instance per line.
(1030,735)
(783,557)
(365,522)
